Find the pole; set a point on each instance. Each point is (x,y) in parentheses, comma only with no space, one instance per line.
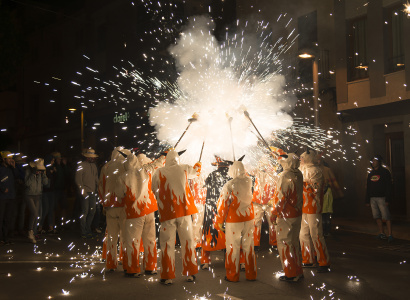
(186,129)
(230,128)
(316,90)
(190,120)
(202,149)
(260,135)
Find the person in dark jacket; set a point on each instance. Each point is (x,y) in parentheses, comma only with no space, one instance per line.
(62,175)
(8,173)
(378,196)
(48,198)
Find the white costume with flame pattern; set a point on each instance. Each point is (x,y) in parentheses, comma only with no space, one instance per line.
(311,233)
(111,193)
(140,206)
(198,190)
(175,206)
(287,206)
(262,195)
(236,209)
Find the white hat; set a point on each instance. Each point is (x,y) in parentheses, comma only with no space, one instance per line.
(89,153)
(38,163)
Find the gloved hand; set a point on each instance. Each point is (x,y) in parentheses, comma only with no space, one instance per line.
(198,167)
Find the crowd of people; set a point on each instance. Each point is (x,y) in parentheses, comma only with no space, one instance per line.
(221,211)
(38,196)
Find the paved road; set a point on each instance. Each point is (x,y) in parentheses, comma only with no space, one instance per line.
(65,267)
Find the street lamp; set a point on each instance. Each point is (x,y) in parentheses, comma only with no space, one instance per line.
(315,72)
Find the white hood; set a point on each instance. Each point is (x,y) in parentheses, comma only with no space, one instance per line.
(309,158)
(237,170)
(291,162)
(117,156)
(172,158)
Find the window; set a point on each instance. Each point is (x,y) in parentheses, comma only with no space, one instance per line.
(394,38)
(357,56)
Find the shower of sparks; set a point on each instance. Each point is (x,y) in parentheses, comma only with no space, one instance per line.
(215,79)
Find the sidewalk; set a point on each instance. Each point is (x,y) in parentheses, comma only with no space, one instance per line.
(401,229)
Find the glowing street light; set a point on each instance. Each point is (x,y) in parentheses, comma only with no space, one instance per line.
(306,55)
(407,9)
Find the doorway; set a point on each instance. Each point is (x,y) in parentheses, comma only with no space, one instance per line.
(395,159)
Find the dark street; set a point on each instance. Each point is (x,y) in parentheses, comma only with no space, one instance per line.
(63,266)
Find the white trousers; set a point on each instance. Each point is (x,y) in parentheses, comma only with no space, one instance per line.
(137,230)
(115,217)
(312,240)
(240,235)
(167,236)
(198,224)
(287,233)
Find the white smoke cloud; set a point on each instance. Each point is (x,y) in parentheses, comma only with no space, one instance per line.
(218,82)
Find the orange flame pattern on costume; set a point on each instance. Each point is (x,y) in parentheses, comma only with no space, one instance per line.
(134,267)
(306,255)
(322,257)
(250,265)
(232,267)
(230,212)
(220,240)
(312,199)
(175,206)
(104,248)
(262,195)
(111,263)
(167,266)
(112,201)
(291,267)
(285,203)
(150,259)
(189,268)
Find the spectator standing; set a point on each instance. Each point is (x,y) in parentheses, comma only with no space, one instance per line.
(378,196)
(48,197)
(7,195)
(331,191)
(61,178)
(20,212)
(86,179)
(35,179)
